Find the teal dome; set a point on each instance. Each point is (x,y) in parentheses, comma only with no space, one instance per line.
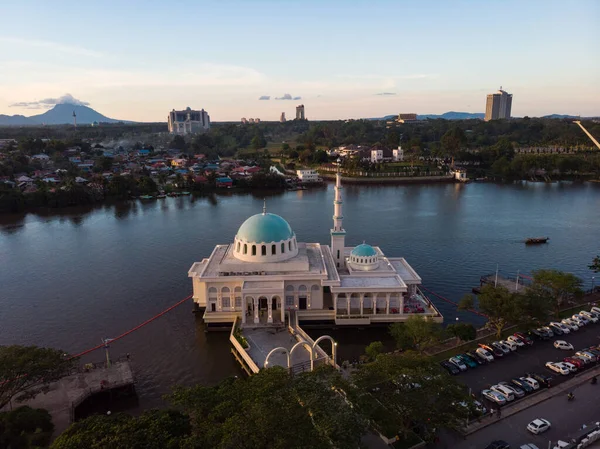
(265,228)
(364,250)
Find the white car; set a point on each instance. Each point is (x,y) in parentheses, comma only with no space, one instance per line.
(494,396)
(570,324)
(572,368)
(584,318)
(517,341)
(505,349)
(485,354)
(558,367)
(561,326)
(596,309)
(586,355)
(590,316)
(458,363)
(538,425)
(504,391)
(509,344)
(528,446)
(578,320)
(531,382)
(561,344)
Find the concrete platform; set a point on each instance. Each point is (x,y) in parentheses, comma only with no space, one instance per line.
(263,340)
(72,390)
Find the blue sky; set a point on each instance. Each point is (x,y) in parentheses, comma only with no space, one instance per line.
(137,60)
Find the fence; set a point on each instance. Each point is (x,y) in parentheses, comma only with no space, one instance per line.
(398,174)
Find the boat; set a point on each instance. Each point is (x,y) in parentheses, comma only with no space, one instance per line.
(161,195)
(536,240)
(185,193)
(146,197)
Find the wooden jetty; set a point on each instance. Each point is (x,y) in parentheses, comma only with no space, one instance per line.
(511,284)
(67,393)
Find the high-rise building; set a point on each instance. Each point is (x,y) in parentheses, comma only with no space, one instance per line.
(188,121)
(300,112)
(498,106)
(282,118)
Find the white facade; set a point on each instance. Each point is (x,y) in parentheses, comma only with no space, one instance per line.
(398,154)
(266,272)
(188,121)
(308,176)
(376,155)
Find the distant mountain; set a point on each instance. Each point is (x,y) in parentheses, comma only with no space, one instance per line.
(60,114)
(451,115)
(559,116)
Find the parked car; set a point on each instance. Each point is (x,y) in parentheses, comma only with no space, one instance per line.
(494,396)
(467,360)
(572,367)
(593,350)
(591,317)
(583,318)
(596,314)
(500,347)
(575,361)
(516,391)
(555,329)
(559,328)
(558,367)
(588,355)
(509,344)
(570,324)
(498,444)
(542,379)
(490,348)
(547,330)
(538,425)
(504,391)
(516,340)
(561,344)
(480,360)
(533,383)
(595,309)
(484,353)
(528,446)
(578,320)
(458,362)
(528,341)
(518,383)
(450,367)
(585,360)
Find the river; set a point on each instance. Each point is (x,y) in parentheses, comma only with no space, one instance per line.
(69,278)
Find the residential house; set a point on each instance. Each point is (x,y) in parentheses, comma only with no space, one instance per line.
(224,181)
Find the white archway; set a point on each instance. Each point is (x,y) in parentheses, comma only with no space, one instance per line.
(310,348)
(288,354)
(333,346)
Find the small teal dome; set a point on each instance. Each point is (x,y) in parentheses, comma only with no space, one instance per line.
(364,250)
(265,228)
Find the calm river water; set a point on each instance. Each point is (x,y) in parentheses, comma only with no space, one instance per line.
(70,278)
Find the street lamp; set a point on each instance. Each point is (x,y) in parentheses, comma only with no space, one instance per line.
(593,282)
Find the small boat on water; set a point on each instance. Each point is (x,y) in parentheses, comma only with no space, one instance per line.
(161,195)
(536,240)
(146,197)
(185,193)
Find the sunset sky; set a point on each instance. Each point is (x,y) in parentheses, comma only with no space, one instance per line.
(136,60)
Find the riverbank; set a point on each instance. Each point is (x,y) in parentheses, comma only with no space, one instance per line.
(391,179)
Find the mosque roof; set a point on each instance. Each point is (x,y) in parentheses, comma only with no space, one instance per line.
(265,228)
(364,250)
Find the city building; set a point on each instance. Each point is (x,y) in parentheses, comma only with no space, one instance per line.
(244,120)
(308,176)
(188,121)
(498,106)
(300,112)
(282,118)
(266,274)
(398,154)
(407,118)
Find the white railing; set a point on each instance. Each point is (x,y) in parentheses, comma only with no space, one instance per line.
(241,351)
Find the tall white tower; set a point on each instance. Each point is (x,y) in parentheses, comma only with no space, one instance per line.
(338,234)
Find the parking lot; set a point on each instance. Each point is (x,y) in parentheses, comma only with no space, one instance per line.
(529,359)
(566,419)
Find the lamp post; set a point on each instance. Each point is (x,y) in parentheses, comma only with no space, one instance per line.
(593,283)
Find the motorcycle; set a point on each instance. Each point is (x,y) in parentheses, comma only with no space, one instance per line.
(594,380)
(570,397)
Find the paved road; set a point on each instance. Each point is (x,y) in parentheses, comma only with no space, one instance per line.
(566,418)
(532,358)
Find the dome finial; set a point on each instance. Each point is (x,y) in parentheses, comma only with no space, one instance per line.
(264,206)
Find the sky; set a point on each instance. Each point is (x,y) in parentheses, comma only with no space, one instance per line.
(137,60)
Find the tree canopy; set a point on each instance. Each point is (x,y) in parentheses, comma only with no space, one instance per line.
(24,428)
(416,333)
(595,266)
(557,286)
(26,370)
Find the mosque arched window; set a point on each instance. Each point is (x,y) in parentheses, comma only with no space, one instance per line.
(273,250)
(282,248)
(263,250)
(238,247)
(290,245)
(254,250)
(245,248)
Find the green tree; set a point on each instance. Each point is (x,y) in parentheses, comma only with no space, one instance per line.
(285,147)
(25,427)
(25,371)
(463,331)
(294,154)
(413,392)
(178,143)
(500,306)
(557,286)
(416,333)
(595,266)
(453,140)
(154,429)
(374,349)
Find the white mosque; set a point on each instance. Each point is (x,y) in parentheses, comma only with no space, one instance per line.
(266,272)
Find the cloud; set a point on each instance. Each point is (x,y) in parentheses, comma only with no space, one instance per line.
(49,102)
(288,97)
(265,97)
(386,93)
(53,46)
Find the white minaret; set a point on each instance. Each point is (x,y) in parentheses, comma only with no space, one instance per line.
(338,234)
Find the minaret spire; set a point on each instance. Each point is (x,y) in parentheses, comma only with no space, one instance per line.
(338,234)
